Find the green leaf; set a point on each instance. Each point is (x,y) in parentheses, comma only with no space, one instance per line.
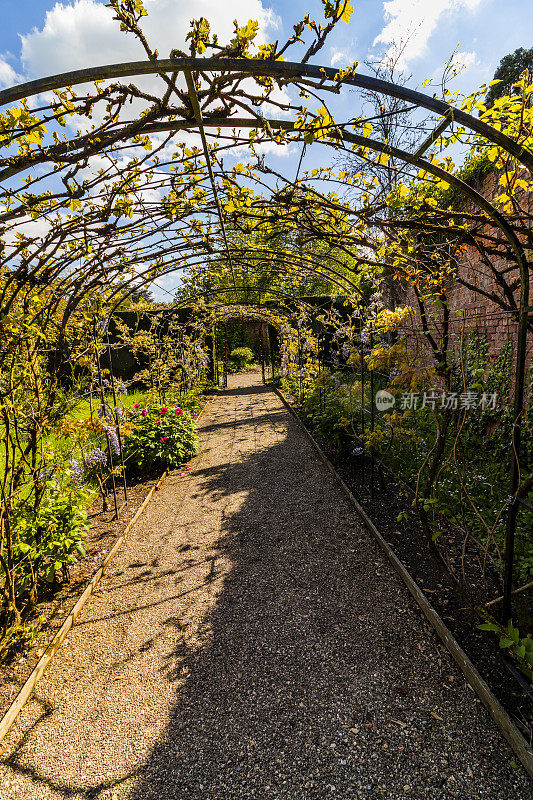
(489,626)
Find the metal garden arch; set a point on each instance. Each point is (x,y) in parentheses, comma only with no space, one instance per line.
(289,72)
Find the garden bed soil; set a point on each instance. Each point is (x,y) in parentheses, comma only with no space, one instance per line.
(55,605)
(455,593)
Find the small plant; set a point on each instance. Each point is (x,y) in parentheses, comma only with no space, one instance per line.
(160,436)
(521,647)
(49,539)
(18,638)
(241,357)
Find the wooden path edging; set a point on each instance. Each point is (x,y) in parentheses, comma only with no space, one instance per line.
(508,729)
(36,674)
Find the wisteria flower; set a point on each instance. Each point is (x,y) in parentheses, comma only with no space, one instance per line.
(113,438)
(76,470)
(47,475)
(94,457)
(104,411)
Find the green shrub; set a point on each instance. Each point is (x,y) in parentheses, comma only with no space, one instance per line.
(46,541)
(160,437)
(241,357)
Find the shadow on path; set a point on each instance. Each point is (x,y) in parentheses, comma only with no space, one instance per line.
(316,677)
(252,611)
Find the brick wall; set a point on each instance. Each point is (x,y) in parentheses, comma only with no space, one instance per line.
(469,308)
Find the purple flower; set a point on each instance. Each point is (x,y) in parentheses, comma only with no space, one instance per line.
(121,387)
(96,456)
(76,470)
(113,438)
(105,411)
(47,475)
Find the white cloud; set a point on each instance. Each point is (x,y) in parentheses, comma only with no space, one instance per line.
(84,33)
(340,58)
(8,76)
(464,60)
(410,24)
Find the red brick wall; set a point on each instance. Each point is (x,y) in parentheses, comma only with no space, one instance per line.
(470,309)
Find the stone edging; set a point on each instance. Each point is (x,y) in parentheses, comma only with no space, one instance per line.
(25,692)
(508,729)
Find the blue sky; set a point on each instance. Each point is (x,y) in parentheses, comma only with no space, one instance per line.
(42,37)
(483,29)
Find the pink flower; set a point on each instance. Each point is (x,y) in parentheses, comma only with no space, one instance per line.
(163,439)
(163,411)
(144,412)
(195,416)
(178,411)
(136,406)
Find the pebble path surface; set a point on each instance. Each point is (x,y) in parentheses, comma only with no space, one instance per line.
(250,641)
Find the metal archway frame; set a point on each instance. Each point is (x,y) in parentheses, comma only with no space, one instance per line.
(290,72)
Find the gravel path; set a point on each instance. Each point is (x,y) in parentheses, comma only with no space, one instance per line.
(250,641)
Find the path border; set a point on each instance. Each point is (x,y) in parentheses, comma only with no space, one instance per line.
(509,730)
(44,662)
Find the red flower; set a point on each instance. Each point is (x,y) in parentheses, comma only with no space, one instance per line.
(163,411)
(178,411)
(163,439)
(136,405)
(144,412)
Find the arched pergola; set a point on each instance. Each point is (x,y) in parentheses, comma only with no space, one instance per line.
(197,84)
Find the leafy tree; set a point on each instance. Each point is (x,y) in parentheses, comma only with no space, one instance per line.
(508,72)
